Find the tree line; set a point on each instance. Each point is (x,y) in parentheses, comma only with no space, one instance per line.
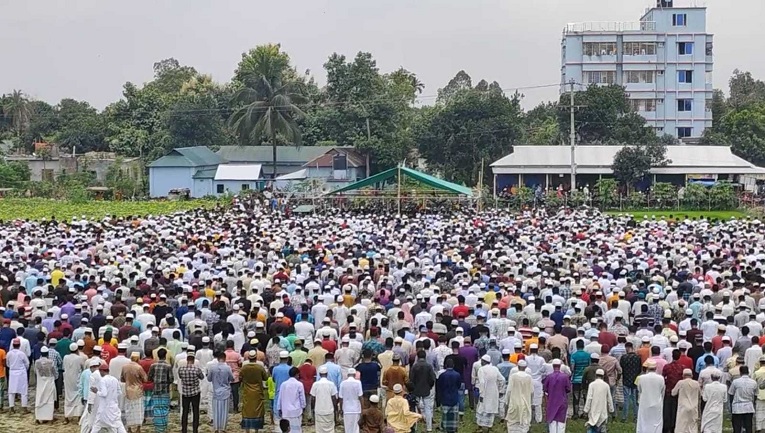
(268,101)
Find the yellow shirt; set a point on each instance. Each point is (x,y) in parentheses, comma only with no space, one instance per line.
(399,416)
(2,362)
(489,297)
(56,276)
(112,342)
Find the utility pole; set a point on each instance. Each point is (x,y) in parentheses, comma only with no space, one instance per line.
(572,137)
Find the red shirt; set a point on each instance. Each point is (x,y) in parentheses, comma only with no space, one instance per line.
(686,362)
(460,311)
(146,364)
(108,352)
(716,343)
(329,345)
(608,338)
(307,376)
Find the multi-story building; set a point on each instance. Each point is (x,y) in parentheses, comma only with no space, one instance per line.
(664,61)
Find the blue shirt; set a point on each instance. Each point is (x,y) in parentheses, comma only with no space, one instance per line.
(580,360)
(334,374)
(370,375)
(220,376)
(448,387)
(700,362)
(281,374)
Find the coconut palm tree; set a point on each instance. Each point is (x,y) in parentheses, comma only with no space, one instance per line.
(18,109)
(268,103)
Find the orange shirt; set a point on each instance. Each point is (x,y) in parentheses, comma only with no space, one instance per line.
(2,363)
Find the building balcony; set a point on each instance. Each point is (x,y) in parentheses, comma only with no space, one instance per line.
(610,26)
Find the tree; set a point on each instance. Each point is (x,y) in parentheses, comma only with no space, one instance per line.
(632,163)
(268,105)
(461,81)
(80,127)
(17,108)
(541,125)
(469,126)
(745,90)
(604,115)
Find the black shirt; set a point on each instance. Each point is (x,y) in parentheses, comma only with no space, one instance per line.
(459,362)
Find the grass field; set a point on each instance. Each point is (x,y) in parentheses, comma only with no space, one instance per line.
(37,209)
(721,214)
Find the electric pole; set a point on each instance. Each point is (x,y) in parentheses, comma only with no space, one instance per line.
(572,137)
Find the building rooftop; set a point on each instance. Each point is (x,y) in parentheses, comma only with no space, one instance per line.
(197,156)
(610,26)
(598,160)
(285,155)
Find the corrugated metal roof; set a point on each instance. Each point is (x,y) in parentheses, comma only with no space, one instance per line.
(205,173)
(264,154)
(238,172)
(295,175)
(189,157)
(596,159)
(353,157)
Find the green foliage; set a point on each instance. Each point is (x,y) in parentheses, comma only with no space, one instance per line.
(577,198)
(605,116)
(633,163)
(542,126)
(636,200)
(39,208)
(469,126)
(524,195)
(607,192)
(695,196)
(722,195)
(664,195)
(80,127)
(13,174)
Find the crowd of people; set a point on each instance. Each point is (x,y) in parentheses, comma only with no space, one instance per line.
(376,322)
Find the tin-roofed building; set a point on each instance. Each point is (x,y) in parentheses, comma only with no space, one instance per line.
(184,168)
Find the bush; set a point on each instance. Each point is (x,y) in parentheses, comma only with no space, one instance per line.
(606,192)
(722,195)
(695,196)
(664,195)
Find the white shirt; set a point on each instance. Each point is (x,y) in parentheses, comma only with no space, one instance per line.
(323,390)
(350,393)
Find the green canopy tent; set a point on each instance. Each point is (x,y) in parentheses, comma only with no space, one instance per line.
(398,172)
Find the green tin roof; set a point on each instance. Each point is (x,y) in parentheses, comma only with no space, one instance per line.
(197,156)
(205,173)
(285,155)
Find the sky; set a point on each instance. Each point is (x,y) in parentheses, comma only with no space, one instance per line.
(87,49)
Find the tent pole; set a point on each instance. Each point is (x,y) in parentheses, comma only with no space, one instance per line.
(399,189)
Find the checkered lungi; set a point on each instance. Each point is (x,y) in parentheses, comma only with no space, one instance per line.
(133,411)
(485,419)
(759,415)
(450,418)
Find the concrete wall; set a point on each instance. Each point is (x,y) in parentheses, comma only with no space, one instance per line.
(163,179)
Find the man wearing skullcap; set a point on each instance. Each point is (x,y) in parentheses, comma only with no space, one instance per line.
(651,388)
(73,367)
(189,377)
(45,388)
(397,412)
(744,392)
(253,376)
(687,391)
(290,401)
(108,414)
(599,403)
(557,387)
(161,375)
(372,419)
(519,394)
(715,397)
(324,402)
(489,384)
(134,376)
(221,376)
(18,365)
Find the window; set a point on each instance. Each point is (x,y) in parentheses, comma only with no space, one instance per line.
(685,76)
(685,48)
(600,77)
(685,105)
(599,48)
(633,77)
(684,132)
(245,186)
(639,48)
(708,105)
(679,20)
(709,47)
(219,188)
(643,104)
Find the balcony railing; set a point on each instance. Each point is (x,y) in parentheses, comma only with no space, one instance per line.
(610,26)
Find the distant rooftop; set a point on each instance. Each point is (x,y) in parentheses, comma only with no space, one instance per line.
(610,26)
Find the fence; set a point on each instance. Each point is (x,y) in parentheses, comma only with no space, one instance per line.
(643,202)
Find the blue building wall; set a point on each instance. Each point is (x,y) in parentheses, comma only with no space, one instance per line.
(235,186)
(163,179)
(659,100)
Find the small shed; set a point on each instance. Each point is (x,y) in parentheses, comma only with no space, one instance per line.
(235,178)
(184,167)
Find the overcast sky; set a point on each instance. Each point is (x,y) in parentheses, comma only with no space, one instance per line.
(87,49)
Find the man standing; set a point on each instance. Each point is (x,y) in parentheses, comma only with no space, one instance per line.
(557,387)
(715,396)
(252,377)
(221,376)
(161,375)
(536,368)
(424,381)
(18,365)
(134,377)
(324,402)
(109,415)
(599,403)
(73,366)
(190,376)
(687,392)
(393,375)
(651,390)
(673,373)
(759,414)
(290,402)
(350,399)
(489,382)
(519,392)
(744,392)
(45,388)
(448,387)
